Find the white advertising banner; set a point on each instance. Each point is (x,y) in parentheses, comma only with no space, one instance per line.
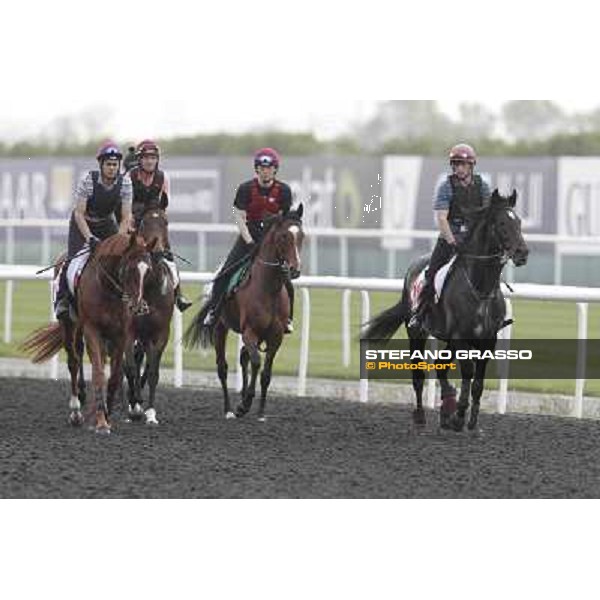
(401,178)
(579,202)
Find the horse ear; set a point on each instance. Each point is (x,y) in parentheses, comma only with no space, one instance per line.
(300,210)
(513,199)
(495,195)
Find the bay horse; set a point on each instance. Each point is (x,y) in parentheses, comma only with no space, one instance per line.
(259,310)
(152,329)
(109,293)
(470,312)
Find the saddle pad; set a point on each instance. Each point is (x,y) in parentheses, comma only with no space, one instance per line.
(173,271)
(238,276)
(439,280)
(75,269)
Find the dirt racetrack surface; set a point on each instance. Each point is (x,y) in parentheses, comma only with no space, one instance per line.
(310,447)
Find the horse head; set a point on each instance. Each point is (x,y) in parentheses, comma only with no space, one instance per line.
(284,237)
(495,230)
(154,225)
(134,266)
(507,226)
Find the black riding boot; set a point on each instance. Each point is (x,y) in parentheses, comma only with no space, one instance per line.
(216,299)
(181,301)
(61,304)
(426,298)
(221,282)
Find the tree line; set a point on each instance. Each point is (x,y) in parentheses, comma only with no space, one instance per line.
(418,127)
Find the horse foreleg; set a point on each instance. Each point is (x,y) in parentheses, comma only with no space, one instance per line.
(220,337)
(476,392)
(467,369)
(265,378)
(73,362)
(115,381)
(133,406)
(418,380)
(153,357)
(251,343)
(81,379)
(244,361)
(96,356)
(448,394)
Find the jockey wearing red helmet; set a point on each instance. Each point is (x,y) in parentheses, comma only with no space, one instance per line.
(151,188)
(459,194)
(102,197)
(256,199)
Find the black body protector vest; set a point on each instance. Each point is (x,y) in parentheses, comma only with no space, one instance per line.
(144,196)
(465,200)
(103,206)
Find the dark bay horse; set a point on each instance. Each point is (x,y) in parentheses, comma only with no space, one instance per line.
(153,328)
(469,313)
(258,310)
(110,292)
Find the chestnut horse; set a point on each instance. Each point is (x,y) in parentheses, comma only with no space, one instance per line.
(259,310)
(153,328)
(109,293)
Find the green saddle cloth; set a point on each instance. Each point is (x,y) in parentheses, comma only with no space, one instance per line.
(238,276)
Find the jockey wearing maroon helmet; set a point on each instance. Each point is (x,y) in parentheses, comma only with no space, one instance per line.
(459,194)
(101,197)
(151,188)
(255,200)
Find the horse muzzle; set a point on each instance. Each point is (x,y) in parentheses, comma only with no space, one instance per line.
(294,273)
(137,308)
(520,257)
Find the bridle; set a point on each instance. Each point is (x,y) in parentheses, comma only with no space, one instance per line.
(282,263)
(137,310)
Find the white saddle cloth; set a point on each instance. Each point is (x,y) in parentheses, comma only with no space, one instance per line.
(439,280)
(174,272)
(76,267)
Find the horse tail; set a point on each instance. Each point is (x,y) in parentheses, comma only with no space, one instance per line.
(198,333)
(43,343)
(385,324)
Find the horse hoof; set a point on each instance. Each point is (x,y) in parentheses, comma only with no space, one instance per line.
(240,412)
(457,423)
(136,412)
(102,429)
(445,421)
(229,415)
(419,417)
(262,419)
(76,418)
(151,417)
(475,431)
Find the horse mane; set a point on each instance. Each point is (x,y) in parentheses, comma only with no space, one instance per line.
(115,245)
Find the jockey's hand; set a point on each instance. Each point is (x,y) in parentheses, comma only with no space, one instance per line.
(93,241)
(458,246)
(168,255)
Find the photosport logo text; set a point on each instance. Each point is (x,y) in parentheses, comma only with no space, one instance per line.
(504,358)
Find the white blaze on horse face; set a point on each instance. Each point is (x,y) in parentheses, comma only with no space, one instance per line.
(142,268)
(511,214)
(295,230)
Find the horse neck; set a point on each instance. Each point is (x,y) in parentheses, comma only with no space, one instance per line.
(266,267)
(484,274)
